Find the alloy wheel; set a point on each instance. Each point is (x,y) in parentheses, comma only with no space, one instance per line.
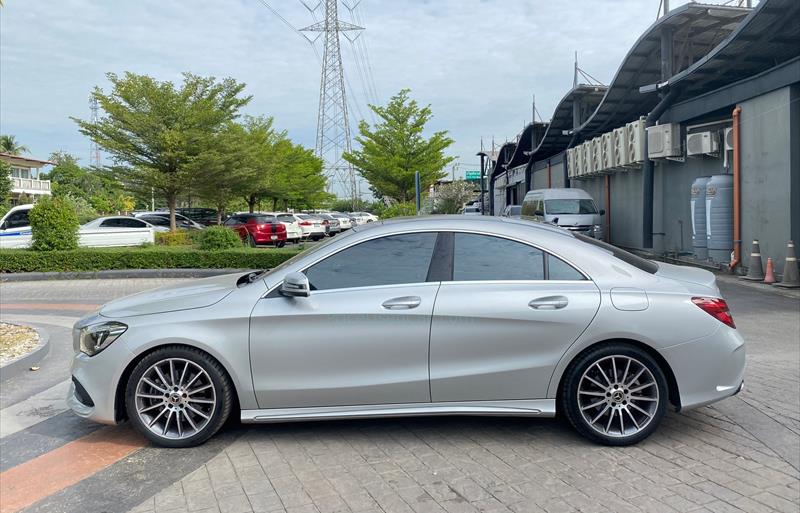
(618,396)
(175,398)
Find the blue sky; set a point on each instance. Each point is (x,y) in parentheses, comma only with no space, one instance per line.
(477,62)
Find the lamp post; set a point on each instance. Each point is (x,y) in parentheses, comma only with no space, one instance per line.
(483,156)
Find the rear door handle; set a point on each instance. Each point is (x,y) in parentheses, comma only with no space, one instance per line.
(402,303)
(549,303)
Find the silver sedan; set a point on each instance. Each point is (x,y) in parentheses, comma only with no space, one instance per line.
(426,316)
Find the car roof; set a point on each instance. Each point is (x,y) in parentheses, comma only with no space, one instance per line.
(560,193)
(462,222)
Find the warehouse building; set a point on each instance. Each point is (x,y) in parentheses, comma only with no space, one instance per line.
(704,111)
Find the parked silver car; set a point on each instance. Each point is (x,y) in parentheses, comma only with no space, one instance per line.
(424,316)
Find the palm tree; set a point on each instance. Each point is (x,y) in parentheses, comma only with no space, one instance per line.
(9,144)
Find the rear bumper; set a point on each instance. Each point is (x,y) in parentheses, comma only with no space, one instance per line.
(269,238)
(708,369)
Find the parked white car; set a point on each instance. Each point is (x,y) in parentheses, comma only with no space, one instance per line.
(182,221)
(345,221)
(293,231)
(15,231)
(311,226)
(118,231)
(364,217)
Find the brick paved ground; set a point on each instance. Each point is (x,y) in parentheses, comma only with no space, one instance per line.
(739,455)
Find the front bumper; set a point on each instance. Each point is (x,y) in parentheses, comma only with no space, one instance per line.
(98,376)
(708,369)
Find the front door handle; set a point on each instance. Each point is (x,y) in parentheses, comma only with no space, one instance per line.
(549,303)
(402,303)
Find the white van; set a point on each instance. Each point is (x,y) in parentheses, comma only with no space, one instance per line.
(573,209)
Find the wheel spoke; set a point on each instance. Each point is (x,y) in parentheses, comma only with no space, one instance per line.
(151,407)
(161,376)
(594,405)
(596,382)
(632,418)
(603,373)
(610,419)
(153,385)
(614,368)
(191,422)
(631,382)
(178,423)
(198,412)
(621,423)
(601,414)
(152,422)
(598,394)
(640,398)
(196,390)
(641,410)
(625,373)
(201,401)
(172,372)
(193,379)
(149,396)
(642,387)
(183,373)
(166,424)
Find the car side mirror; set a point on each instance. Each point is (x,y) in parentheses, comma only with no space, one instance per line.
(602,211)
(538,213)
(295,285)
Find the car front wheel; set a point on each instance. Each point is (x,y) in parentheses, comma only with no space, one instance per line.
(615,395)
(178,396)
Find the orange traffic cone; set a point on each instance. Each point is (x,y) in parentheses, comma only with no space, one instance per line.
(769,278)
(791,277)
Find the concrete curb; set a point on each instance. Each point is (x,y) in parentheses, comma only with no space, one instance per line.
(119,274)
(22,363)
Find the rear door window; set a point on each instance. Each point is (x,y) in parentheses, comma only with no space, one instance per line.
(484,257)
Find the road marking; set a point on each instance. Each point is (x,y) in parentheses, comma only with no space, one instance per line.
(34,409)
(50,306)
(49,473)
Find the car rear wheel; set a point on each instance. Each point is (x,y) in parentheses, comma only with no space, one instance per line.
(615,394)
(178,397)
(250,241)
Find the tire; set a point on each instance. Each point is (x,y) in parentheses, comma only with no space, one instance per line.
(200,418)
(628,407)
(280,244)
(250,241)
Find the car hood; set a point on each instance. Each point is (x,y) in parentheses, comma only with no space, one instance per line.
(197,294)
(688,275)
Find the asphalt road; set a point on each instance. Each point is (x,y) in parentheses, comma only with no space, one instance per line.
(742,454)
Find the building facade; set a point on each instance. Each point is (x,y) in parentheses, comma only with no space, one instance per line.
(25,182)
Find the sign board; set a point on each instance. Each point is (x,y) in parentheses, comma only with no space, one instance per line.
(473,176)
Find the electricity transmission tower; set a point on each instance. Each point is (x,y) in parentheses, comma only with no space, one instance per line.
(94,149)
(333,126)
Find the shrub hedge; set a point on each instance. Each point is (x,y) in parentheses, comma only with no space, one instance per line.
(216,238)
(176,238)
(154,257)
(54,224)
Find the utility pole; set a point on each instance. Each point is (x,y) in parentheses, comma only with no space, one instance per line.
(333,126)
(94,149)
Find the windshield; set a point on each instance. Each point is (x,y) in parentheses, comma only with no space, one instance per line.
(569,206)
(514,210)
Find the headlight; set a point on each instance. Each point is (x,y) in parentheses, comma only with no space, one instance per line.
(95,338)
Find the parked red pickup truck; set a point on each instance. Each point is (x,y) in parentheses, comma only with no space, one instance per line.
(257,229)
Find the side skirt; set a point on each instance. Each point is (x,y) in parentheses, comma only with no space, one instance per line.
(524,408)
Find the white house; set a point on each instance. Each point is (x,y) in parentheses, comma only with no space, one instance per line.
(25,177)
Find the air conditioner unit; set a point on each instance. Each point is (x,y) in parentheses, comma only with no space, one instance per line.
(664,141)
(609,151)
(636,137)
(597,154)
(588,160)
(621,146)
(729,139)
(572,163)
(702,143)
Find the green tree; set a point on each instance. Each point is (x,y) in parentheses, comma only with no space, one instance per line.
(395,148)
(160,132)
(5,185)
(9,144)
(450,197)
(54,224)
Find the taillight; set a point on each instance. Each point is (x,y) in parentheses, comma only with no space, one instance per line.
(305,223)
(325,222)
(280,228)
(715,307)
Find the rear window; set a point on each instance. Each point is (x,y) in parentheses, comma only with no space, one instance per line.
(286,218)
(264,219)
(645,265)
